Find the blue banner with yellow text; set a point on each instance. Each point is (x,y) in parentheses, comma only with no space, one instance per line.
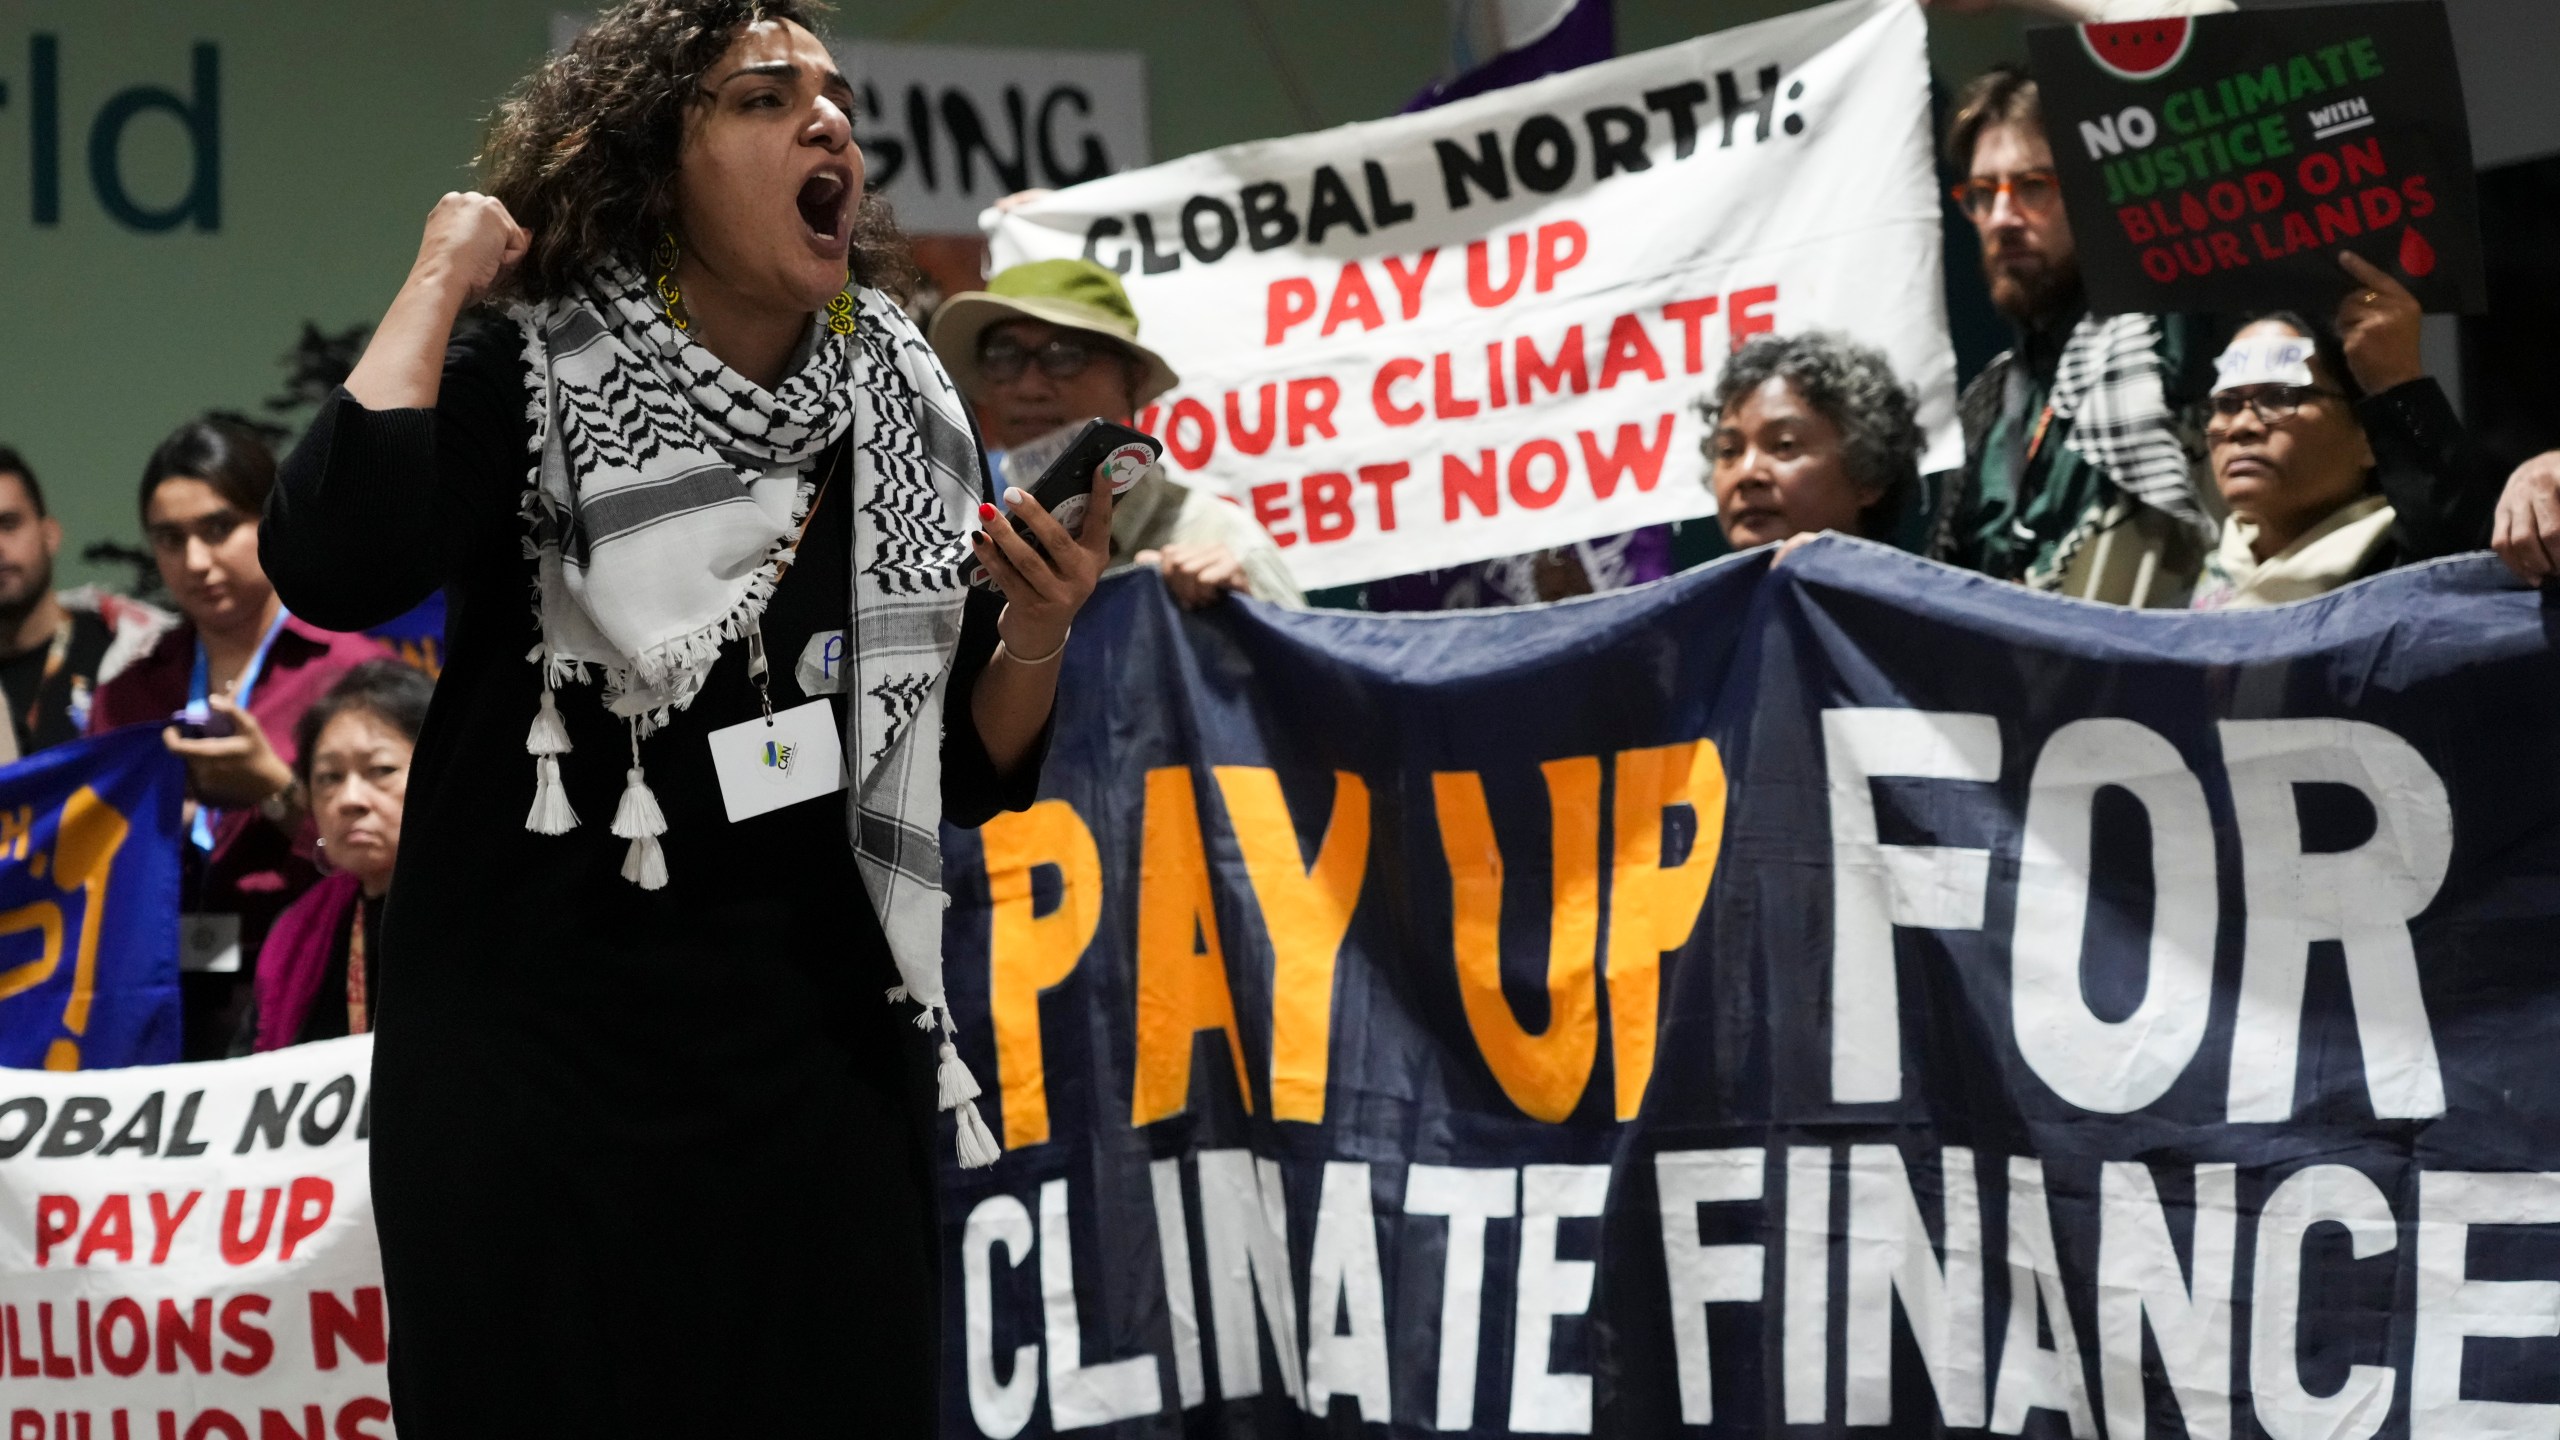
(1841,997)
(89,904)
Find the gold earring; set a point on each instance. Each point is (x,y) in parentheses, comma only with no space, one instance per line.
(840,312)
(670,298)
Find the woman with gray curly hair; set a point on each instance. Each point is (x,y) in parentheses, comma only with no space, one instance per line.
(1808,433)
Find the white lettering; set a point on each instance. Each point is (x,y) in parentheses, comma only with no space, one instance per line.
(2313,1196)
(1469,1198)
(2119,1066)
(1876,887)
(2032,1376)
(1181,1304)
(1245,1229)
(1342,1275)
(1081,1395)
(2452,1307)
(2140,1281)
(1545,1402)
(1890,1259)
(1700,1274)
(1000,1407)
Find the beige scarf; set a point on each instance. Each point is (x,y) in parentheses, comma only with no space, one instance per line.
(2327,556)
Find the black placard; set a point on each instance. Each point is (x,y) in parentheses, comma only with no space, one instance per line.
(2221,162)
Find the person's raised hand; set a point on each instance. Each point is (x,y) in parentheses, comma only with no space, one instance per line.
(2378,327)
(1198,573)
(234,771)
(470,245)
(2527,536)
(1042,593)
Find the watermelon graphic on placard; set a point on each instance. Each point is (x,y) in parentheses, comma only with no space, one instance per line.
(2138,49)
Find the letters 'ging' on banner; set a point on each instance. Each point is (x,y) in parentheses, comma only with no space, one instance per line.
(1482,329)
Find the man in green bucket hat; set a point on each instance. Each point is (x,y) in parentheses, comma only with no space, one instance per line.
(1051,344)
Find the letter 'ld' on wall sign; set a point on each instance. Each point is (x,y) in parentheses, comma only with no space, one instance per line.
(2221,162)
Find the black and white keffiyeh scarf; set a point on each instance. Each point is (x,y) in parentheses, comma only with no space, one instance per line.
(664,496)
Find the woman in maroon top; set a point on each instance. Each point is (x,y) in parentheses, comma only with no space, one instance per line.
(249,854)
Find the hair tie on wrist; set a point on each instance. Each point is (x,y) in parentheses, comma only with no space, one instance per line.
(1060,649)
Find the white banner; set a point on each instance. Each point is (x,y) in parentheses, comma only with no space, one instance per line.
(947,130)
(1482,329)
(187,1252)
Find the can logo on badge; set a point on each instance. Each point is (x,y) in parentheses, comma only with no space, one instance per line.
(1125,465)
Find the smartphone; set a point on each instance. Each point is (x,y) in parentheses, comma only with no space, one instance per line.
(202,722)
(1100,449)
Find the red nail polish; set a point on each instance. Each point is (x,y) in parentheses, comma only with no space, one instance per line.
(986,512)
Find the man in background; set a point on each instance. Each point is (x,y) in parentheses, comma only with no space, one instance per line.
(1052,344)
(2083,469)
(55,650)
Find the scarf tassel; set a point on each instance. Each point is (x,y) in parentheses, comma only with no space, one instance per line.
(978,1148)
(957,1085)
(547,742)
(639,820)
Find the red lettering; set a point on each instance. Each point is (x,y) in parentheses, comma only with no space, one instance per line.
(1629,349)
(2191,210)
(239,1316)
(1561,246)
(2266,192)
(1271,511)
(1493,374)
(57,1220)
(1383,480)
(1569,366)
(1292,302)
(2161,223)
(1480,286)
(1691,316)
(1326,500)
(361,1329)
(26,1425)
(1352,300)
(178,1332)
(57,1367)
(276,1425)
(2297,232)
(2226,249)
(2137,224)
(306,1210)
(1382,392)
(19,1363)
(239,1247)
(1747,314)
(1446,403)
(119,1359)
(1408,283)
(1147,418)
(1311,405)
(2258,233)
(165,1222)
(204,1429)
(357,1412)
(2381,207)
(2337,218)
(2226,201)
(2422,202)
(2363,159)
(1531,496)
(2159,264)
(1474,483)
(1629,456)
(1193,453)
(2317,173)
(1253,440)
(110,1229)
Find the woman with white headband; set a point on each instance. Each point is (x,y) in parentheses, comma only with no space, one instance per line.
(2336,454)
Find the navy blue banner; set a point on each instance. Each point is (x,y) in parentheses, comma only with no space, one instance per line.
(89,843)
(1844,997)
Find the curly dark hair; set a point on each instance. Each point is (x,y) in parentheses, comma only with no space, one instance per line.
(1854,387)
(583,154)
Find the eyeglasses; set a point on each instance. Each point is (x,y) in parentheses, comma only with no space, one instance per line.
(1003,359)
(2272,404)
(2037,191)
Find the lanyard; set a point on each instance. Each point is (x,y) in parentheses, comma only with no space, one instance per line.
(359,1004)
(200,691)
(758,670)
(54,659)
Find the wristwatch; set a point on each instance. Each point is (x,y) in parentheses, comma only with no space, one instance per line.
(280,806)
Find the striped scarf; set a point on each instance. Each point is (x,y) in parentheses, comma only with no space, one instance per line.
(664,494)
